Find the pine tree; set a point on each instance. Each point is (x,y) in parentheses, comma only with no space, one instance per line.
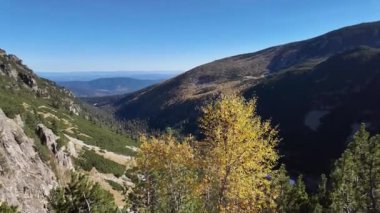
(282,186)
(320,202)
(291,197)
(356,176)
(81,195)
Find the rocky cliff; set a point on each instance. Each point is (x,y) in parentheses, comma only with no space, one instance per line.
(25,179)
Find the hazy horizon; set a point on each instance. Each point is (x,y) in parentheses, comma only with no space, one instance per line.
(93,75)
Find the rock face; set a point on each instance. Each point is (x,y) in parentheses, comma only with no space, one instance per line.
(17,76)
(25,180)
(50,140)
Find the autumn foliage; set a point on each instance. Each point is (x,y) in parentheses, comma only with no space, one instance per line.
(229,170)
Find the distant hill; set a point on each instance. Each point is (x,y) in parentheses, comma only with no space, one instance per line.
(92,75)
(317,91)
(106,86)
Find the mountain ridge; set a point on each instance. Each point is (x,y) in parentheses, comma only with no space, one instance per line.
(234,73)
(175,102)
(106,86)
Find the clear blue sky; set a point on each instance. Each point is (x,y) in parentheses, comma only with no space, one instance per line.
(80,35)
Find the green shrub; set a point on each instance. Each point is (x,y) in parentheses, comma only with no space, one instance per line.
(62,141)
(104,137)
(6,208)
(42,150)
(11,111)
(115,186)
(90,159)
(30,124)
(81,195)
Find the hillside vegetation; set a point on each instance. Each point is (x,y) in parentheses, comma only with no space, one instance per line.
(74,126)
(234,168)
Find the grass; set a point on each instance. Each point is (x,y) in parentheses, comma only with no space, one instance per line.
(115,186)
(90,159)
(103,137)
(13,96)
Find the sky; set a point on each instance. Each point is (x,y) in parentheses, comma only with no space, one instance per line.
(162,35)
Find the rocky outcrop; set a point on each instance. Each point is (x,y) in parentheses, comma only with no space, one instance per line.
(49,139)
(16,76)
(25,179)
(29,80)
(2,52)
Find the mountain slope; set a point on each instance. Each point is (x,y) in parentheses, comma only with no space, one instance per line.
(161,102)
(319,109)
(106,86)
(175,101)
(45,133)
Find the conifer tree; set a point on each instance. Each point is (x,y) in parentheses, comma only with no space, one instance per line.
(81,195)
(320,202)
(290,197)
(282,186)
(356,176)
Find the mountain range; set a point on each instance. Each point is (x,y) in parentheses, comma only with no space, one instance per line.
(106,86)
(92,75)
(316,91)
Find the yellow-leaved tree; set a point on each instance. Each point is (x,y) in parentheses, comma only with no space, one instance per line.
(229,170)
(167,176)
(238,155)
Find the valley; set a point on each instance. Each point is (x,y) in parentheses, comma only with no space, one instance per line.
(335,73)
(289,128)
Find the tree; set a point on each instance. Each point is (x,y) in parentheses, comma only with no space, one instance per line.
(344,180)
(356,175)
(282,185)
(168,177)
(237,156)
(291,197)
(320,202)
(81,195)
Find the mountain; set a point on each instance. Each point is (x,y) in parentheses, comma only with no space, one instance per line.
(46,134)
(92,75)
(290,87)
(318,109)
(106,86)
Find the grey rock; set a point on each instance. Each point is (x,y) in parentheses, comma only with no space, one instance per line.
(19,121)
(49,139)
(25,179)
(2,52)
